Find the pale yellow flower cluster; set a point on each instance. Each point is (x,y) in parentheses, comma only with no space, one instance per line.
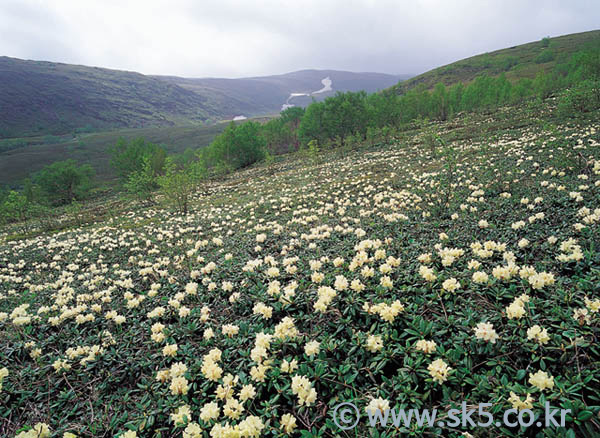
(570,251)
(387,312)
(312,348)
(480,277)
(230,330)
(426,346)
(40,430)
(377,404)
(516,309)
(592,305)
(451,285)
(541,380)
(538,334)
(519,404)
(3,375)
(427,273)
(250,427)
(262,309)
(485,331)
(302,387)
(439,370)
(288,422)
(286,329)
(325,295)
(450,255)
(170,350)
(181,416)
(210,368)
(289,367)
(374,343)
(539,280)
(157,332)
(210,411)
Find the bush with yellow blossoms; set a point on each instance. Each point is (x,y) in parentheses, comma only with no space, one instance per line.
(369,277)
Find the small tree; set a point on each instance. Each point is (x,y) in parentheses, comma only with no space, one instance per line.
(15,207)
(545,55)
(62,182)
(177,185)
(142,184)
(581,98)
(269,160)
(312,151)
(128,157)
(545,41)
(237,147)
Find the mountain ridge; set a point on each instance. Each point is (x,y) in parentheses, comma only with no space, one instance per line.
(516,62)
(43,97)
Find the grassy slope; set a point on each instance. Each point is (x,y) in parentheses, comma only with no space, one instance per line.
(491,63)
(53,98)
(92,148)
(316,211)
(44,97)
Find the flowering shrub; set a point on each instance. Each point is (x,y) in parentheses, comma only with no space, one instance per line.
(282,294)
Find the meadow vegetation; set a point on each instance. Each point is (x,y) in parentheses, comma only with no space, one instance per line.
(337,122)
(456,261)
(417,250)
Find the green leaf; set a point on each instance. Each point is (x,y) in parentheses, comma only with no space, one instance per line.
(584,415)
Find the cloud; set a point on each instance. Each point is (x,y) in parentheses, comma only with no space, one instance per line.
(246,38)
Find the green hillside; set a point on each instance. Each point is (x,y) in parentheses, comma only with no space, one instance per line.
(522,61)
(435,250)
(395,275)
(17,164)
(39,97)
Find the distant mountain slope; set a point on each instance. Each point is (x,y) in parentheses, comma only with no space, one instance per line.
(266,94)
(44,97)
(38,97)
(522,61)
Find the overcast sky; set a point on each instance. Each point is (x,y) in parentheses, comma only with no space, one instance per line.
(228,38)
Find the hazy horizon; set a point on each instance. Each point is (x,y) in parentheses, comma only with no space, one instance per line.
(235,39)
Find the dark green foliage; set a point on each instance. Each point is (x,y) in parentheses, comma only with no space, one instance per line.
(518,62)
(32,191)
(187,156)
(64,181)
(544,85)
(178,184)
(382,109)
(439,102)
(581,98)
(332,121)
(30,154)
(589,63)
(142,183)
(505,63)
(544,56)
(14,207)
(237,147)
(281,133)
(337,116)
(545,41)
(129,157)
